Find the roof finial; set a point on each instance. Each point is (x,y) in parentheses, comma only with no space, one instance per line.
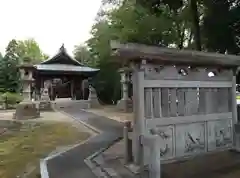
(62,48)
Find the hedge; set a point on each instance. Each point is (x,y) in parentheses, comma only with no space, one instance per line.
(10,98)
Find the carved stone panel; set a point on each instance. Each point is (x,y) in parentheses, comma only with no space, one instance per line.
(166,136)
(219,134)
(190,139)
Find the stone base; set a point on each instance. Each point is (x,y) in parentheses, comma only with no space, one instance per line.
(26,110)
(94,103)
(45,106)
(125,105)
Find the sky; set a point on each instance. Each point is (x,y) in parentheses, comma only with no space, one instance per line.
(50,22)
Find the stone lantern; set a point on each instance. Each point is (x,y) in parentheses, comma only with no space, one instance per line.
(27,81)
(27,109)
(125,103)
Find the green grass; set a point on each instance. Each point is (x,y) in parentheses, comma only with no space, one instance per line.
(26,146)
(238,97)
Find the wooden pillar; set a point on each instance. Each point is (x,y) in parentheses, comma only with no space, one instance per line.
(81,89)
(72,88)
(75,88)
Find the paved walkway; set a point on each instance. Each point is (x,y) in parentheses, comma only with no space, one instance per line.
(71,163)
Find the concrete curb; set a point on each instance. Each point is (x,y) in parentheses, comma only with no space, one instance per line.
(121,121)
(43,168)
(96,165)
(86,125)
(43,162)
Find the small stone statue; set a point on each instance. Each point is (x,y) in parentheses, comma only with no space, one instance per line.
(93,99)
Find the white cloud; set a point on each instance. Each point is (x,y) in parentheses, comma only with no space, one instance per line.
(49,22)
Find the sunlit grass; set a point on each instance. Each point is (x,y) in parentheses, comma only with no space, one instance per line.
(25,146)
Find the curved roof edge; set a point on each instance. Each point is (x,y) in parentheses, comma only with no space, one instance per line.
(64,67)
(62,52)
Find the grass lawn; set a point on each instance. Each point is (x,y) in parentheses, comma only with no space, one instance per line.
(23,145)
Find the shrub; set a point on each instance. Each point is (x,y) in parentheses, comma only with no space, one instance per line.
(11,98)
(1,98)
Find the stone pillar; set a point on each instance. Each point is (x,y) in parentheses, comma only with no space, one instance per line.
(235,114)
(124,104)
(93,99)
(153,142)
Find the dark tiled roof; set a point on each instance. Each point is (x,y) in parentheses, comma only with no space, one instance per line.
(62,57)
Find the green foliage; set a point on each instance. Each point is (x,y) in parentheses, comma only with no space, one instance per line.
(30,52)
(17,53)
(127,23)
(2,74)
(11,98)
(194,24)
(221,23)
(107,83)
(82,54)
(10,63)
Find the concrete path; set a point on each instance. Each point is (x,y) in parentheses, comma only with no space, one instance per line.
(71,164)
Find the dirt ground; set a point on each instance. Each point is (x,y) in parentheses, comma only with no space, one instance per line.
(24,143)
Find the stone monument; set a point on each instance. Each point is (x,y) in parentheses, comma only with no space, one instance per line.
(45,103)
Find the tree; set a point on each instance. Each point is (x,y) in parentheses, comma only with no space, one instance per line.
(220,26)
(196,25)
(30,52)
(83,55)
(106,82)
(185,17)
(129,24)
(126,22)
(3,73)
(11,62)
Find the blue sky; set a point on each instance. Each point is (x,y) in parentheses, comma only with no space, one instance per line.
(49,22)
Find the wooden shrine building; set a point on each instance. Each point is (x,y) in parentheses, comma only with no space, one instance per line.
(62,75)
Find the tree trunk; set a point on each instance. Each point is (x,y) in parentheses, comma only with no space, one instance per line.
(196,26)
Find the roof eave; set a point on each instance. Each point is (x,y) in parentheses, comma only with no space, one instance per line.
(126,53)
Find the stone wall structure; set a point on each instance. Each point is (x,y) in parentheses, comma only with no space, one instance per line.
(184,103)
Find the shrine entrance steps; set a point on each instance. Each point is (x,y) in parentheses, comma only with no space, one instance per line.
(60,103)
